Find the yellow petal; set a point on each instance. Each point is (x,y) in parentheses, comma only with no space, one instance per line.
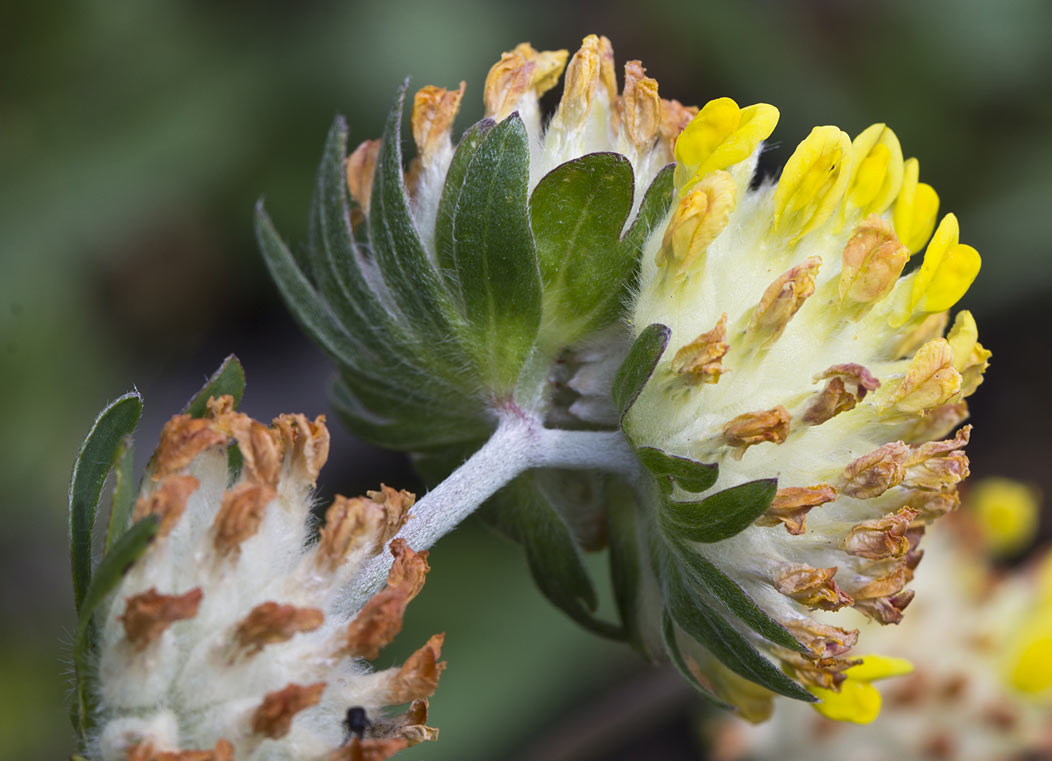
(1007,513)
(915,210)
(930,379)
(812,183)
(948,270)
(877,170)
(720,135)
(1032,671)
(875,667)
(857,702)
(699,218)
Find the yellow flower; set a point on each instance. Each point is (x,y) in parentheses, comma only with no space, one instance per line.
(858,701)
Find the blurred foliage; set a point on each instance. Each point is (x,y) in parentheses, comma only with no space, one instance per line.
(135,137)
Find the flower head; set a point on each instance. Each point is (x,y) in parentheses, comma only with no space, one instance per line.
(788,393)
(791,348)
(981,687)
(227,629)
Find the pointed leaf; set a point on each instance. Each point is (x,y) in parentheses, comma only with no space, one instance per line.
(124,493)
(639,365)
(668,634)
(722,515)
(652,211)
(451,191)
(98,454)
(408,272)
(705,624)
(734,597)
(228,379)
(688,474)
(114,564)
(527,514)
(493,261)
(577,212)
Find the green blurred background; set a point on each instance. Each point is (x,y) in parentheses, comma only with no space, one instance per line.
(135,138)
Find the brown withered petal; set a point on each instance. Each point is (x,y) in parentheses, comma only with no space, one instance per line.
(418,677)
(757,427)
(380,620)
(273,717)
(791,505)
(270,622)
(182,439)
(223,751)
(872,262)
(938,422)
(886,610)
(395,504)
(848,385)
(939,465)
(548,66)
(932,504)
(881,538)
(639,108)
(409,726)
(260,447)
(607,71)
(580,84)
(148,614)
(507,81)
(890,584)
(168,502)
(434,109)
(874,473)
(932,326)
(784,297)
(368,749)
(827,673)
(822,640)
(814,587)
(674,119)
(307,441)
(930,381)
(361,166)
(239,515)
(700,360)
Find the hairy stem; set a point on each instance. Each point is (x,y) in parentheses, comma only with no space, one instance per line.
(520,443)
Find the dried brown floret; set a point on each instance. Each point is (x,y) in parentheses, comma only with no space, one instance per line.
(182,439)
(148,614)
(274,716)
(239,515)
(757,427)
(791,505)
(270,622)
(168,502)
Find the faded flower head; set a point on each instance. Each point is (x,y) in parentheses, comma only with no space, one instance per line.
(980,640)
(229,629)
(788,396)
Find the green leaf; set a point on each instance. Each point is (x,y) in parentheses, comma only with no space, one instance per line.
(228,379)
(688,474)
(525,512)
(114,564)
(668,634)
(705,624)
(639,365)
(493,262)
(722,515)
(577,212)
(98,454)
(451,190)
(124,493)
(412,278)
(734,597)
(652,211)
(635,590)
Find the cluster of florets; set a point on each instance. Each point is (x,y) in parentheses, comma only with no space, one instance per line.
(233,635)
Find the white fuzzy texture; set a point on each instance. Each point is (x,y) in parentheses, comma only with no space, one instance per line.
(955,613)
(191,687)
